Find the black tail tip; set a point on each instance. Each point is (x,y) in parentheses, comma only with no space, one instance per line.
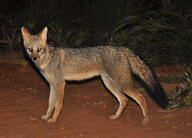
(159,96)
(163,102)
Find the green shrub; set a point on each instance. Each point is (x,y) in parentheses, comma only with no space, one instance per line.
(160,37)
(182,95)
(10,37)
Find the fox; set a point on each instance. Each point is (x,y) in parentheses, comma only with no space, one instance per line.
(116,66)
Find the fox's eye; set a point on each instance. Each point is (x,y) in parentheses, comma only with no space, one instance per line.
(30,49)
(38,49)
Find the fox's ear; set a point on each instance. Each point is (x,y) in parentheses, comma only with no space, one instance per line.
(26,35)
(43,35)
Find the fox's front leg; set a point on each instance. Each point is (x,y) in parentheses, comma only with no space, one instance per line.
(52,101)
(58,103)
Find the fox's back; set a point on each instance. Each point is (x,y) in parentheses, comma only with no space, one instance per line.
(89,61)
(98,55)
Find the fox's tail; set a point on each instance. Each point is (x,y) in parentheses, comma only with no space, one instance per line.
(143,72)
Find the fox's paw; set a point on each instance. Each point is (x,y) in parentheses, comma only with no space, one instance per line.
(52,120)
(145,121)
(114,117)
(44,117)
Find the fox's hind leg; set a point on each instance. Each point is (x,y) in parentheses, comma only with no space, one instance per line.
(125,82)
(122,79)
(110,84)
(139,98)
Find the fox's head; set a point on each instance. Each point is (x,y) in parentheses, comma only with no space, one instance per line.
(35,45)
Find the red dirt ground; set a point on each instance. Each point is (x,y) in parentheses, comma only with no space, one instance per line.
(86,110)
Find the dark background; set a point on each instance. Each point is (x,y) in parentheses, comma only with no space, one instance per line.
(160,31)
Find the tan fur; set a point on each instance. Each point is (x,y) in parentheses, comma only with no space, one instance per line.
(114,65)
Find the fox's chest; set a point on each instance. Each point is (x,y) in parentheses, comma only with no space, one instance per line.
(46,76)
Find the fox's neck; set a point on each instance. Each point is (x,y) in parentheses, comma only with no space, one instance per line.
(44,62)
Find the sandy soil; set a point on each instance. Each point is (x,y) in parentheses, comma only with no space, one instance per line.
(86,110)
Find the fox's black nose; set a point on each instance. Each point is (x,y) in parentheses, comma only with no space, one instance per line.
(34,58)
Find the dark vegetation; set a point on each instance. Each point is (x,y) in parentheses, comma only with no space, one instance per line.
(182,95)
(159,31)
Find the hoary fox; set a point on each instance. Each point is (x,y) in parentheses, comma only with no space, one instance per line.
(115,65)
